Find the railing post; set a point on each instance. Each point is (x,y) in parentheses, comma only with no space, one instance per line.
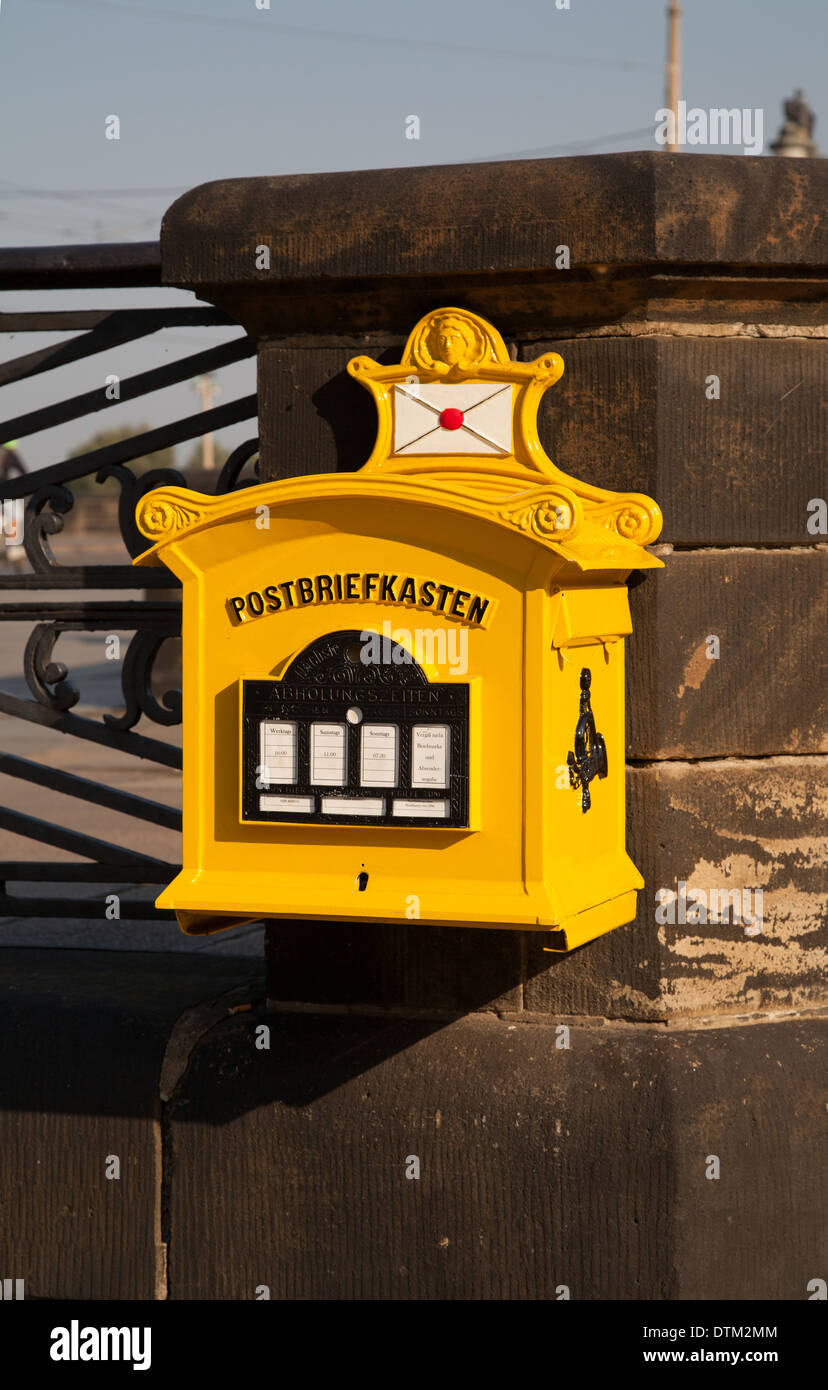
(687,297)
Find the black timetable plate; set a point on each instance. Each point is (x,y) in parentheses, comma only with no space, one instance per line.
(328,678)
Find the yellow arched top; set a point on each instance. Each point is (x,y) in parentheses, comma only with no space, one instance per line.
(454,365)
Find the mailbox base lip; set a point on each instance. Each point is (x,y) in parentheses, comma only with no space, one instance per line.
(208,923)
(204,908)
(595,921)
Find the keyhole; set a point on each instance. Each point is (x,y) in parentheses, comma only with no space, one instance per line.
(362,881)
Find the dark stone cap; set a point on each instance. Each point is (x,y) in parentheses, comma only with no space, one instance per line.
(344,230)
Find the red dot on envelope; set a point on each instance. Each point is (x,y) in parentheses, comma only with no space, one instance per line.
(451,418)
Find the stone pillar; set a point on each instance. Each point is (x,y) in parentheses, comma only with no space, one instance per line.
(565,1111)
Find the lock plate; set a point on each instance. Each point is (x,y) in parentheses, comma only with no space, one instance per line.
(590,757)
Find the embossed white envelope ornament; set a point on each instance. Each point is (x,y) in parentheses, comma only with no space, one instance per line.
(443,418)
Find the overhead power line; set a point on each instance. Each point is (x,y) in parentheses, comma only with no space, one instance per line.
(542,151)
(19,191)
(92,202)
(266,27)
(537,152)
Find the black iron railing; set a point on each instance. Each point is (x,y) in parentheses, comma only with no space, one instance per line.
(47,500)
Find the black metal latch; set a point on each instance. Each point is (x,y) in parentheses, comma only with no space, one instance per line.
(590,757)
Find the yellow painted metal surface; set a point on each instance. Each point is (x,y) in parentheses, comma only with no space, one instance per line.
(462,545)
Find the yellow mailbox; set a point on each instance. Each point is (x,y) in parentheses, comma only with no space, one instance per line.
(404,687)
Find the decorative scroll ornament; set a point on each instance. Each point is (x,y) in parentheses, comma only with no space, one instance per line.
(590,757)
(133,488)
(550,514)
(231,476)
(160,515)
(49,682)
(41,672)
(45,511)
(136,683)
(633,517)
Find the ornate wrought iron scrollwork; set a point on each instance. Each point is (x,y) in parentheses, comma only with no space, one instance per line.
(47,679)
(136,683)
(590,757)
(44,515)
(47,507)
(62,505)
(41,672)
(229,479)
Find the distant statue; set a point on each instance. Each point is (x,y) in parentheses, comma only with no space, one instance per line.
(796,138)
(799,112)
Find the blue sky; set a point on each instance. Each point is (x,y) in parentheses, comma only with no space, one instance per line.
(207,89)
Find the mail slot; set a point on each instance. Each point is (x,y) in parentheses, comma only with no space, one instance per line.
(403,687)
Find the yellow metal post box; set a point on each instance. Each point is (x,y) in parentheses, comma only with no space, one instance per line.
(404,687)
